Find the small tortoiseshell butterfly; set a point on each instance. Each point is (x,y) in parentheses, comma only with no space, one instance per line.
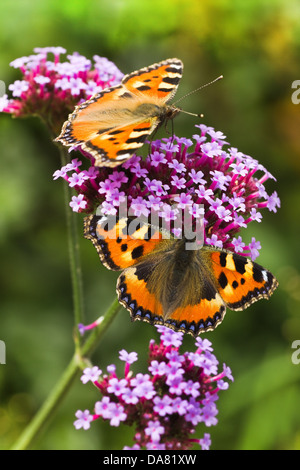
(114,123)
(163,283)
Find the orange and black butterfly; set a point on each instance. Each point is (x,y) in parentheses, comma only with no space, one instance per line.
(114,123)
(163,283)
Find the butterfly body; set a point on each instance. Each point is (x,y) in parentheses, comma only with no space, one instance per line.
(163,282)
(115,122)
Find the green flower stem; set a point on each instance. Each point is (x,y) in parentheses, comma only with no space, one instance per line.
(74,256)
(77,363)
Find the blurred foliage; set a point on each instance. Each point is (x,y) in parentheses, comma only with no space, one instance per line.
(256,46)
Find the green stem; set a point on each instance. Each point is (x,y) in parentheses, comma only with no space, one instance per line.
(74,257)
(46,412)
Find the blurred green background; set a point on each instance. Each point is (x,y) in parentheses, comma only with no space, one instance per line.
(256,46)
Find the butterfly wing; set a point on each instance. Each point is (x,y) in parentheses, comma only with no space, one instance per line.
(121,242)
(114,123)
(135,294)
(239,281)
(189,292)
(158,80)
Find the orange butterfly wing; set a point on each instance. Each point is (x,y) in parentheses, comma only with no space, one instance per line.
(229,280)
(114,123)
(158,80)
(240,281)
(120,242)
(193,300)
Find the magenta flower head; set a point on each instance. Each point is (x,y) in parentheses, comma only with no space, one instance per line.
(202,176)
(51,87)
(168,404)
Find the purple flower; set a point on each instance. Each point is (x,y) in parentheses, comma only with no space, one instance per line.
(102,408)
(76,179)
(273,202)
(118,178)
(197,176)
(211,149)
(238,244)
(19,63)
(130,397)
(116,197)
(203,344)
(168,213)
(214,241)
(78,203)
(106,187)
(154,430)
(220,179)
(128,357)
(167,405)
(192,388)
(183,200)
(204,193)
(139,207)
(52,88)
(77,85)
(254,215)
(196,211)
(193,412)
(209,413)
(41,80)
(154,202)
(19,87)
(158,368)
(163,406)
(179,183)
(143,386)
(170,337)
(177,166)
(157,158)
(139,172)
(205,442)
(116,386)
(179,406)
(84,419)
(177,386)
(116,414)
(254,246)
(90,374)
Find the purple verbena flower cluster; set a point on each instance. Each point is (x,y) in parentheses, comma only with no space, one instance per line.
(204,175)
(52,88)
(166,404)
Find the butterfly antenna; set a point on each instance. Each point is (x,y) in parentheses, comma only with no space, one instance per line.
(194,91)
